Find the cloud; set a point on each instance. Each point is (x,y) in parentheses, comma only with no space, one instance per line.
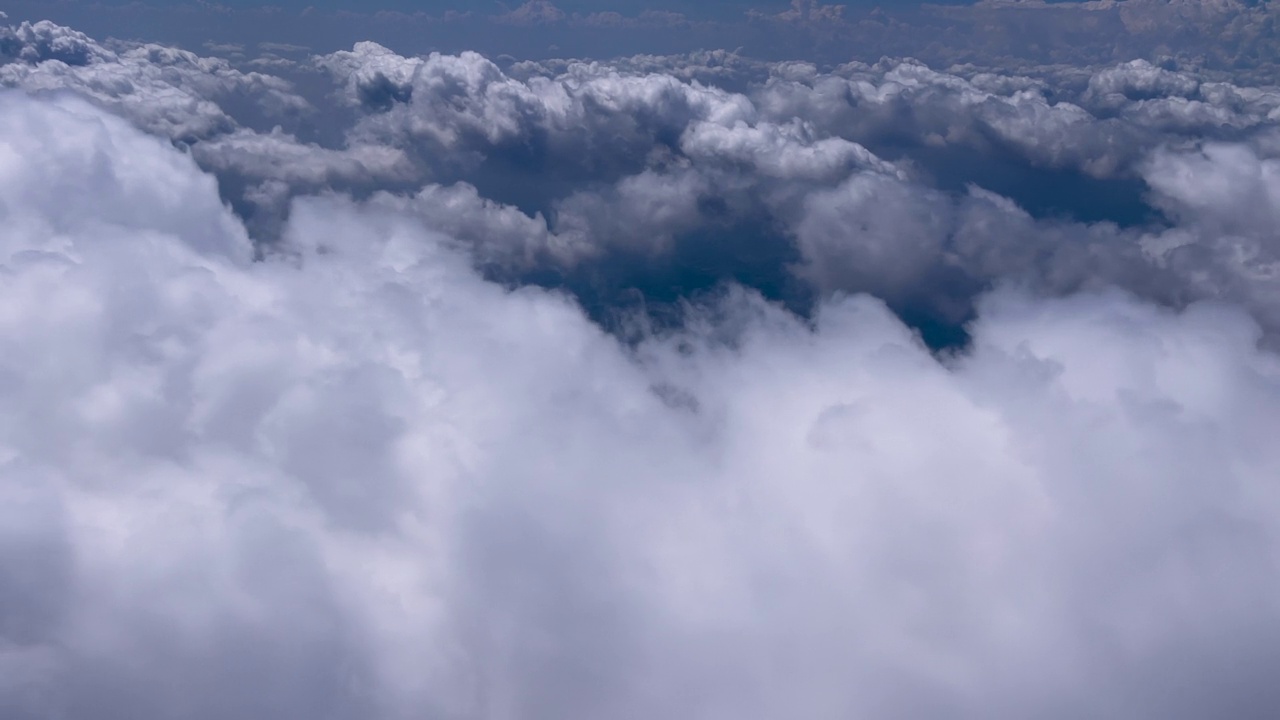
(286,48)
(171,92)
(263,172)
(1227,198)
(466,100)
(649,163)
(646,19)
(354,478)
(123,181)
(37,42)
(664,176)
(534,12)
(325,392)
(804,11)
(492,233)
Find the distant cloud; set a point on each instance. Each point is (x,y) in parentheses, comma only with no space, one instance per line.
(282,47)
(533,12)
(647,18)
(224,48)
(804,11)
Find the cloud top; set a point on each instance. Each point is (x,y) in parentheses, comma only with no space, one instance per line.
(357,401)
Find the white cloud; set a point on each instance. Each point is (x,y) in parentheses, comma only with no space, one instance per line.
(905,102)
(467,103)
(68,168)
(539,167)
(355,479)
(170,92)
(618,157)
(493,233)
(874,234)
(1227,200)
(280,156)
(1226,186)
(1138,80)
(788,152)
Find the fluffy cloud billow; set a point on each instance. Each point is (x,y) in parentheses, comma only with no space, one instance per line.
(392,387)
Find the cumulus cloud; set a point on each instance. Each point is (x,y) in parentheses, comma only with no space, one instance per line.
(325,394)
(659,163)
(165,90)
(358,480)
(534,12)
(658,157)
(466,102)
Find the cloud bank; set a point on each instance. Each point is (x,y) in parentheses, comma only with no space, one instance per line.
(671,386)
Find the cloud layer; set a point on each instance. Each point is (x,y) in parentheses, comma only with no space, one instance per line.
(920,186)
(341,393)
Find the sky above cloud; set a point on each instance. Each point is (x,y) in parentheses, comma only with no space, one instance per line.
(639,366)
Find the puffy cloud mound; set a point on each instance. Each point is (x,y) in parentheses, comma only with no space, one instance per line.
(356,479)
(884,178)
(37,42)
(167,91)
(658,178)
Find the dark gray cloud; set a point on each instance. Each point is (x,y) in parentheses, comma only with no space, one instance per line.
(361,384)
